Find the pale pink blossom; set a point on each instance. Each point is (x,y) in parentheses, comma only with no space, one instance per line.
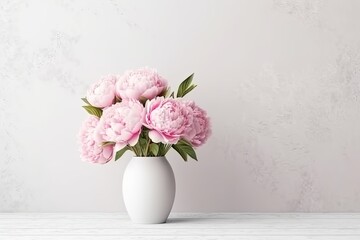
(102,93)
(121,123)
(167,119)
(144,83)
(199,131)
(90,150)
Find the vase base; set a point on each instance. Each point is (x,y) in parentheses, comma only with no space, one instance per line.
(147,221)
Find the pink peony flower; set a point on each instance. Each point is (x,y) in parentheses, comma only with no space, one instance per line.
(121,123)
(102,93)
(90,150)
(199,131)
(168,119)
(140,83)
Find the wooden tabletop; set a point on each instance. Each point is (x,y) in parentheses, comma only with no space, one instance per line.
(187,226)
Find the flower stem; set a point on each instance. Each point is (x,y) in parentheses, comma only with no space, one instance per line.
(147,148)
(134,150)
(167,148)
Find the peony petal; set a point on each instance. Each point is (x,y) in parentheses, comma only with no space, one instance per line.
(150,93)
(119,146)
(125,135)
(97,137)
(108,151)
(156,137)
(134,139)
(171,139)
(130,93)
(117,127)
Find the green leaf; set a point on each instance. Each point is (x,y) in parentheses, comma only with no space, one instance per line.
(154,148)
(161,149)
(164,148)
(187,148)
(172,95)
(93,110)
(183,141)
(141,146)
(189,89)
(86,101)
(180,151)
(121,152)
(107,144)
(139,150)
(142,142)
(184,86)
(189,151)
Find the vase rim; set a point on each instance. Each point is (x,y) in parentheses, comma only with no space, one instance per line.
(148,157)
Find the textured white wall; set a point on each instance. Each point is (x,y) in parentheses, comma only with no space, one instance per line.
(280,79)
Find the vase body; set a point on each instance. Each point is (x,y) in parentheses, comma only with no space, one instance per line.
(148,189)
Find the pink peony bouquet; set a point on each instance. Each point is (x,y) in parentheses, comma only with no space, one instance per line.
(137,111)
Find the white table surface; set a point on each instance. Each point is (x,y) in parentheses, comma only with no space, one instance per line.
(187,226)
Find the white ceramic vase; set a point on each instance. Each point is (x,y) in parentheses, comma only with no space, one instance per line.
(148,189)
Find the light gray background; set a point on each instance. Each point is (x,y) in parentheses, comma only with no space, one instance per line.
(280,80)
